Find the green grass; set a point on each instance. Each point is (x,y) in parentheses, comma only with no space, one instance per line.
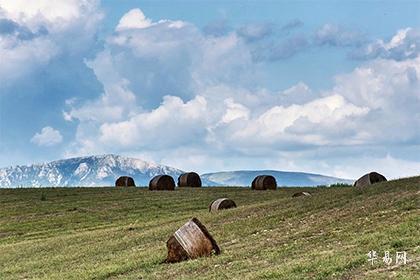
(110,233)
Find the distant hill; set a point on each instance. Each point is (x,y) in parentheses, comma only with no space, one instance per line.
(103,170)
(283,178)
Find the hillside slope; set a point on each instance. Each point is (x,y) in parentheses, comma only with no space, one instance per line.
(110,233)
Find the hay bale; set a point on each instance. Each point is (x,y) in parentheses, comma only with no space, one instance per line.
(190,179)
(191,241)
(369,179)
(264,182)
(301,194)
(125,181)
(162,183)
(222,203)
(253,183)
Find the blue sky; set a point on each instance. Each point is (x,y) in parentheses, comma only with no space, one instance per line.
(319,86)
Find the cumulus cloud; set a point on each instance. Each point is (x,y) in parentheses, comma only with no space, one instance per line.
(43,11)
(296,125)
(234,111)
(56,18)
(168,58)
(11,28)
(20,57)
(32,34)
(179,89)
(187,97)
(148,72)
(48,136)
(405,44)
(116,100)
(43,45)
(381,84)
(172,124)
(133,19)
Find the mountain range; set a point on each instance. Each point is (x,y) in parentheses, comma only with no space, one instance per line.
(103,170)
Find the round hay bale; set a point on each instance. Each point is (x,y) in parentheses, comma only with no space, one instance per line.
(190,179)
(369,179)
(222,203)
(253,183)
(125,181)
(191,241)
(264,182)
(162,183)
(301,194)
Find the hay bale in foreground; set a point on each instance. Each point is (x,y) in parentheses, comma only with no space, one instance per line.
(301,194)
(162,183)
(125,181)
(369,179)
(264,182)
(191,241)
(222,203)
(190,179)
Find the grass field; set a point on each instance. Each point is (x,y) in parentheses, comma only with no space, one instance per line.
(109,233)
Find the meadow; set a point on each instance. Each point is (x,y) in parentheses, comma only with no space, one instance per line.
(121,233)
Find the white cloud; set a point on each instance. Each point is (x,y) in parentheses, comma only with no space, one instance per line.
(55,17)
(133,19)
(381,83)
(21,57)
(172,124)
(398,39)
(116,100)
(186,98)
(41,31)
(183,97)
(405,44)
(234,111)
(281,126)
(48,136)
